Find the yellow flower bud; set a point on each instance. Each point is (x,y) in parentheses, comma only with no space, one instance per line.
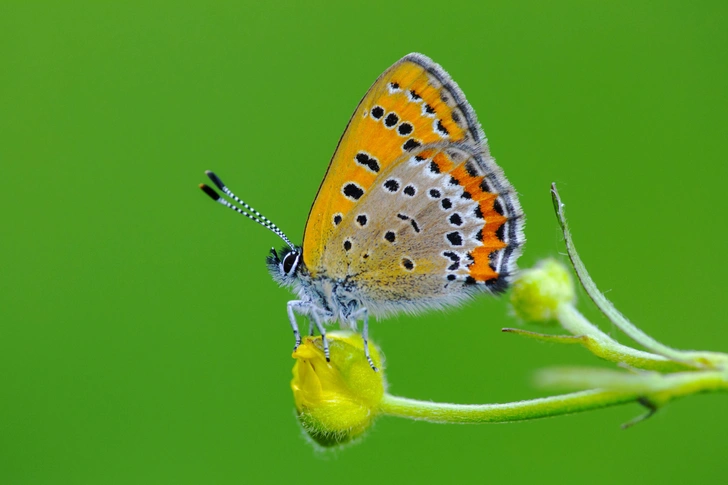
(336,401)
(538,292)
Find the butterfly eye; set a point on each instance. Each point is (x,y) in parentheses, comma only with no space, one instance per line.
(290,263)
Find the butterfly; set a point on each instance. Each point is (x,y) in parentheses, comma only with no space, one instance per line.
(412,214)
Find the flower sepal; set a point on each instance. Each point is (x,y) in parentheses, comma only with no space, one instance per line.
(337,401)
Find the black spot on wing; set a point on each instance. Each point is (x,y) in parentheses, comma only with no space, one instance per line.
(367,161)
(500,232)
(454,258)
(470,168)
(405,129)
(391,120)
(441,128)
(410,145)
(455,238)
(391,185)
(456,220)
(408,264)
(353,191)
(497,207)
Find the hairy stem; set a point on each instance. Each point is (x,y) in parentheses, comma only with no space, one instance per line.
(695,359)
(620,388)
(503,413)
(605,347)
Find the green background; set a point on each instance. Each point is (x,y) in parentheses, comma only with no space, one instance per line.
(141,338)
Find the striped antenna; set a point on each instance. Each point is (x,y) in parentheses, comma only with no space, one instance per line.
(256,216)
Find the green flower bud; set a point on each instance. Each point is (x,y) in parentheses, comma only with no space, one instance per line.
(538,292)
(336,401)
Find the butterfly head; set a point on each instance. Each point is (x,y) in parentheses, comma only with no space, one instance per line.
(285,267)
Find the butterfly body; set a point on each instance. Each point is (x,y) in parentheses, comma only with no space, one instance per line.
(413,212)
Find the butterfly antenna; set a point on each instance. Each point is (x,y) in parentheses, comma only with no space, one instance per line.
(256,216)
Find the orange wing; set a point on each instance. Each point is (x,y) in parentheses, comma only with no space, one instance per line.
(412,104)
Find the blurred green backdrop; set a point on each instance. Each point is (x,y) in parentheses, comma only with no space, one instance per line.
(142,340)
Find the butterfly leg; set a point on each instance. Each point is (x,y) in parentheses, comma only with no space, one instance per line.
(364,315)
(305,308)
(300,306)
(317,320)
(311,327)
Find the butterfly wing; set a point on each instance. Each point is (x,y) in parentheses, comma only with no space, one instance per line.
(413,131)
(412,103)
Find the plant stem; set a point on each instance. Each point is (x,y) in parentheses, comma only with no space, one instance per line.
(605,347)
(653,385)
(694,359)
(654,388)
(503,413)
